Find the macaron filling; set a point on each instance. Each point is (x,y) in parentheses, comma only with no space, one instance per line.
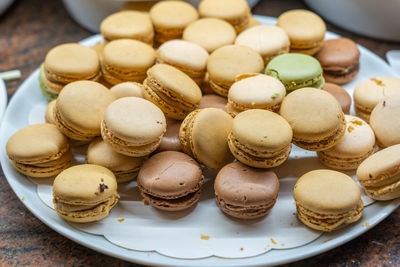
(342,72)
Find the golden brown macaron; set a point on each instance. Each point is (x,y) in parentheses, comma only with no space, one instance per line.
(260,138)
(170,19)
(316,118)
(84,193)
(128,24)
(340,94)
(170,181)
(173,91)
(235,12)
(133,126)
(124,168)
(80,108)
(49,115)
(126,60)
(203,135)
(227,62)
(327,199)
(244,192)
(39,150)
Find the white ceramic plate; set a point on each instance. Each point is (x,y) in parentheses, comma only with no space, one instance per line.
(27,97)
(3,98)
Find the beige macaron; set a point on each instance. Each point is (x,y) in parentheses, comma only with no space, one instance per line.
(124,168)
(316,118)
(203,135)
(260,138)
(49,115)
(126,60)
(133,126)
(380,174)
(227,62)
(255,91)
(385,121)
(80,108)
(357,144)
(269,41)
(210,33)
(236,12)
(170,19)
(128,24)
(368,93)
(84,193)
(185,56)
(127,89)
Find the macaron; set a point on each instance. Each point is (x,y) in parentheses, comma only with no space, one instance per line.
(173,91)
(170,19)
(370,92)
(170,181)
(253,22)
(46,91)
(340,94)
(380,174)
(339,59)
(170,140)
(188,57)
(327,199)
(67,63)
(296,71)
(213,101)
(205,87)
(39,150)
(80,108)
(85,193)
(240,59)
(210,33)
(244,192)
(316,118)
(260,138)
(133,126)
(203,136)
(124,168)
(385,121)
(269,41)
(306,30)
(127,89)
(235,12)
(357,144)
(255,91)
(126,60)
(49,115)
(128,24)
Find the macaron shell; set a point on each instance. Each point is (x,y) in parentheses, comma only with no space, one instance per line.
(340,94)
(385,121)
(127,89)
(172,14)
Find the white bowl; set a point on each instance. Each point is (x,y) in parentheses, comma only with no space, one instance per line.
(377,19)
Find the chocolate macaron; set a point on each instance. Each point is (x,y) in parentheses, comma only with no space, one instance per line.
(170,140)
(244,192)
(340,94)
(170,181)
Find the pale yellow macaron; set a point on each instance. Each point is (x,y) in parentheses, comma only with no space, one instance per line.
(126,89)
(255,91)
(85,193)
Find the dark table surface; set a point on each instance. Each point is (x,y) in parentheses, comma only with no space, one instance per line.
(27,31)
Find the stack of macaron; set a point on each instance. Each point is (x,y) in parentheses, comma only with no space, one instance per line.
(211,89)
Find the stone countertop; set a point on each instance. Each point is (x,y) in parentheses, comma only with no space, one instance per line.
(27,31)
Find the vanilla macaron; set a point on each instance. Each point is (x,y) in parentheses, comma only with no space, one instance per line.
(173,91)
(80,108)
(203,135)
(327,199)
(269,41)
(357,144)
(255,91)
(39,150)
(84,193)
(126,60)
(133,126)
(124,168)
(227,62)
(380,174)
(185,56)
(260,138)
(316,118)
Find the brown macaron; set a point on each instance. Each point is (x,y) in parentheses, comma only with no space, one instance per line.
(170,140)
(244,192)
(170,181)
(341,96)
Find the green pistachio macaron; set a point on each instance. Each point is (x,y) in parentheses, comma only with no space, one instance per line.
(296,71)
